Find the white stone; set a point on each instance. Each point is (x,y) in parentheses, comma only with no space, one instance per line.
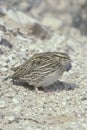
(3,63)
(15,100)
(85,102)
(63,103)
(29,128)
(3,69)
(17,109)
(10,118)
(2,104)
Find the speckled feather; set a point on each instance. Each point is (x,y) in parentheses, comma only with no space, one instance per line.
(42,69)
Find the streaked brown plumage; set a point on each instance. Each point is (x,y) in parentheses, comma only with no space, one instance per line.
(42,69)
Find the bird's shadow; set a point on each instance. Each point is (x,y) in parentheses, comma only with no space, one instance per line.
(58,86)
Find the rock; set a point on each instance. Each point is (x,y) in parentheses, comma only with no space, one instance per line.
(15,100)
(2,27)
(64,103)
(41,31)
(17,109)
(85,102)
(2,11)
(52,22)
(1,116)
(10,118)
(84,98)
(5,43)
(3,63)
(2,104)
(29,128)
(20,17)
(1,52)
(18,22)
(3,69)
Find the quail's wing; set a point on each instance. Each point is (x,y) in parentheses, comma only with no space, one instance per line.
(35,61)
(38,65)
(40,72)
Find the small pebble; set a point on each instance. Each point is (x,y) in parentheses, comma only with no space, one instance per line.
(5,42)
(15,100)
(1,52)
(4,69)
(85,102)
(63,103)
(10,118)
(29,128)
(2,104)
(3,63)
(17,109)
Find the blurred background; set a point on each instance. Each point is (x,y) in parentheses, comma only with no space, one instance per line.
(72,13)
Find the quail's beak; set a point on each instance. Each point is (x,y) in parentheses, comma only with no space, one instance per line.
(69,66)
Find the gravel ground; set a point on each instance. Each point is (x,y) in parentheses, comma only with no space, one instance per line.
(64,105)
